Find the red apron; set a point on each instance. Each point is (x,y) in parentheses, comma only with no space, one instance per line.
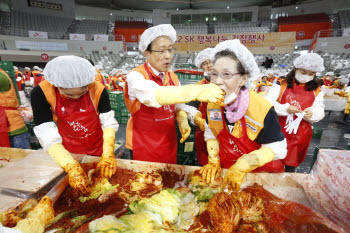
(4,134)
(200,144)
(154,133)
(232,148)
(19,83)
(27,76)
(297,144)
(79,125)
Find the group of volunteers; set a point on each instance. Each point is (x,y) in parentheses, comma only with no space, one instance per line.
(114,81)
(238,128)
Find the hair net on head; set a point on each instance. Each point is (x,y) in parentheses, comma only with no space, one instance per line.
(152,33)
(203,56)
(69,72)
(15,67)
(243,55)
(330,73)
(26,68)
(36,68)
(98,67)
(310,61)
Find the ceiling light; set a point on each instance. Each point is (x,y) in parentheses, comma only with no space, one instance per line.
(228,7)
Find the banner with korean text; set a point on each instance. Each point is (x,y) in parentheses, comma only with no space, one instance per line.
(257,43)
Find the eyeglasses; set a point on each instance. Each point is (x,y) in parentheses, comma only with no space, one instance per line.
(225,75)
(162,52)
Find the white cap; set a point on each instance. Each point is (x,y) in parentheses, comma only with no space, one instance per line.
(203,56)
(98,67)
(36,68)
(309,61)
(26,68)
(69,72)
(330,73)
(15,67)
(243,55)
(41,70)
(152,33)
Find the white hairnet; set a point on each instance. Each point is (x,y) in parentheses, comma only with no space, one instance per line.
(36,68)
(98,67)
(330,73)
(41,70)
(243,55)
(26,68)
(15,67)
(152,33)
(309,61)
(69,72)
(203,56)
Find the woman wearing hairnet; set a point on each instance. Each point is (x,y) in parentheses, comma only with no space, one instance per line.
(72,114)
(245,135)
(202,61)
(154,98)
(299,102)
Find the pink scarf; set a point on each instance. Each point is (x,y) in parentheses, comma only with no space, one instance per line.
(237,109)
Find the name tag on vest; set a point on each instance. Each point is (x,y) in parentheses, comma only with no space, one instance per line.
(215,114)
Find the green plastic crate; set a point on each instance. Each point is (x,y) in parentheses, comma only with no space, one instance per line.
(186,152)
(317,132)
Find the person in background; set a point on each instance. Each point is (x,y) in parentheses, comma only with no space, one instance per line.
(99,76)
(72,114)
(19,78)
(153,96)
(27,76)
(299,102)
(37,75)
(328,79)
(13,131)
(245,135)
(202,61)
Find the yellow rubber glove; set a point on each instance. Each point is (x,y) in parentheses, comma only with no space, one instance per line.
(245,164)
(199,121)
(37,218)
(184,94)
(76,175)
(213,169)
(182,122)
(108,163)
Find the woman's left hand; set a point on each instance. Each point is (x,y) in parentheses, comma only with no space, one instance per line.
(308,114)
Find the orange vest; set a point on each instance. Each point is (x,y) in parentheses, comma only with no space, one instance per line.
(134,105)
(95,91)
(99,77)
(9,99)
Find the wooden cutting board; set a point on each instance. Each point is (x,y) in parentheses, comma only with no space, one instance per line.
(7,202)
(26,170)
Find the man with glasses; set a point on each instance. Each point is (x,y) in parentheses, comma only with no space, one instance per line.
(155,98)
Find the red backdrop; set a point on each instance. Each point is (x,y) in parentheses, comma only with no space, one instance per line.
(130,30)
(305,26)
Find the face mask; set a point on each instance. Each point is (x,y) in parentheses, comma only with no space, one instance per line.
(303,78)
(232,97)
